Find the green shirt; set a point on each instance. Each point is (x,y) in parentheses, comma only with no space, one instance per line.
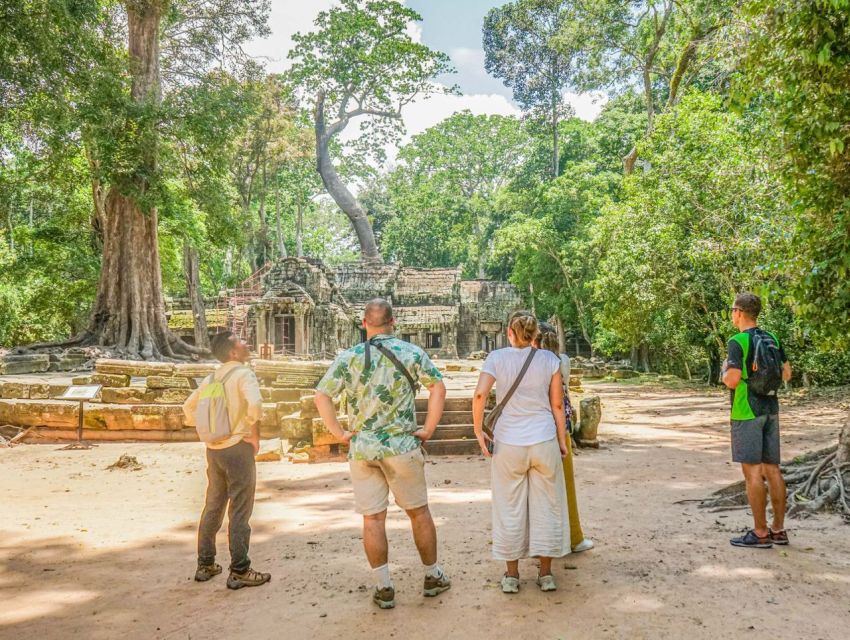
(381,404)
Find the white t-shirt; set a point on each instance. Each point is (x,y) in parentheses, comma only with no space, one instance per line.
(527,418)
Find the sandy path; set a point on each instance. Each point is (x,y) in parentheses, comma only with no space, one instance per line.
(90,553)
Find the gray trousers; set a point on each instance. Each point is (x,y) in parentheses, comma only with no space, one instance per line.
(231,478)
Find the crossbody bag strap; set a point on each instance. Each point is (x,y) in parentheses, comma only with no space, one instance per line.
(490,421)
(414,385)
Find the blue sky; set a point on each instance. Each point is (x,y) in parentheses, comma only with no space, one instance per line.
(454,26)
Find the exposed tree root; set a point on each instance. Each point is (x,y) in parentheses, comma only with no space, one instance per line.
(818,481)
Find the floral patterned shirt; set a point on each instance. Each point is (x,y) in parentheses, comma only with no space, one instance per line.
(381,404)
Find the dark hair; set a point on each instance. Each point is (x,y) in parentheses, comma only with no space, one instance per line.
(548,338)
(378,313)
(749,304)
(221,345)
(524,326)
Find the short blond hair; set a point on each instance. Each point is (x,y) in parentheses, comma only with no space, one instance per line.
(523,324)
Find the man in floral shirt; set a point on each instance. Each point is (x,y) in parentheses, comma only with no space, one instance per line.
(385,442)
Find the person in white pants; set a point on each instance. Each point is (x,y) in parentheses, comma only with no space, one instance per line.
(529,501)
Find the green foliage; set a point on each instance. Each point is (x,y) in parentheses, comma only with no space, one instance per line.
(442,195)
(689,233)
(797,62)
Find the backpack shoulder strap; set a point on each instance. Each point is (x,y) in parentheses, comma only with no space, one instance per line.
(227,375)
(497,411)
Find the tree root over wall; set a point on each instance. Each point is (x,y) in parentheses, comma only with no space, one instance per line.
(818,481)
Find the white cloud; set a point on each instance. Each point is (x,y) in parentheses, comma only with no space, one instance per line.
(287,17)
(426,112)
(586,105)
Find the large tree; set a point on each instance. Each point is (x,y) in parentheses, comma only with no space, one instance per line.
(652,45)
(361,62)
(520,48)
(111,102)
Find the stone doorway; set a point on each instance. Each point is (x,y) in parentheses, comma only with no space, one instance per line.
(284,333)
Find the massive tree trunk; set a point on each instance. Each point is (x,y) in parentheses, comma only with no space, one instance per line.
(129,311)
(193,288)
(344,199)
(562,338)
(299,231)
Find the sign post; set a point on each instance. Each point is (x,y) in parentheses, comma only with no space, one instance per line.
(80,393)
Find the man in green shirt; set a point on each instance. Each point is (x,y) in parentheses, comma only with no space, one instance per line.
(755,425)
(379,379)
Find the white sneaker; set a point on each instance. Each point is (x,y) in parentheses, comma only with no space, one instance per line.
(510,584)
(584,545)
(546,583)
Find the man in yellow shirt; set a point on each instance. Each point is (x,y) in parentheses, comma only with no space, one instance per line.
(231,471)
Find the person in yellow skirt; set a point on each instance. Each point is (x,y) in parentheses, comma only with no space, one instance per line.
(547,339)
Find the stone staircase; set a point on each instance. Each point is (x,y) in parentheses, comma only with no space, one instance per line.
(454,435)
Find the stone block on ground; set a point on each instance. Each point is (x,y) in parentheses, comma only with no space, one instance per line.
(24,363)
(133,367)
(57,390)
(287,408)
(166,382)
(321,435)
(45,413)
(170,396)
(285,395)
(104,379)
(7,410)
(290,373)
(162,417)
(590,413)
(126,395)
(67,362)
(14,390)
(269,425)
(112,417)
(39,391)
(296,429)
(308,407)
(195,369)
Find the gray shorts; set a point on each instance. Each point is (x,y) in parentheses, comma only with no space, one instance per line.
(756,441)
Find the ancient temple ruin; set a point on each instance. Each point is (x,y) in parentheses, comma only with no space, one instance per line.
(301,307)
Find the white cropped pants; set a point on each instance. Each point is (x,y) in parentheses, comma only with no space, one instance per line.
(530,517)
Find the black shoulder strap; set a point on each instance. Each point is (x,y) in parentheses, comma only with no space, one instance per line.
(497,411)
(414,385)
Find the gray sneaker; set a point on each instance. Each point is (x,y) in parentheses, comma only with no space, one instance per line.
(510,584)
(435,586)
(384,598)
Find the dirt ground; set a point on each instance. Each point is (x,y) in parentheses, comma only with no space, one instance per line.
(97,554)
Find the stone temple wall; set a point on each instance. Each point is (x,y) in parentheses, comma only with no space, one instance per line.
(484,308)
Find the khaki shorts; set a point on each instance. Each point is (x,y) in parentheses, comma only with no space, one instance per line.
(373,479)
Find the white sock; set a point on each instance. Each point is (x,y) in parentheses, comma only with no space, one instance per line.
(382,575)
(433,570)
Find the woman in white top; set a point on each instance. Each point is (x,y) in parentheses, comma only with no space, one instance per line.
(530,517)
